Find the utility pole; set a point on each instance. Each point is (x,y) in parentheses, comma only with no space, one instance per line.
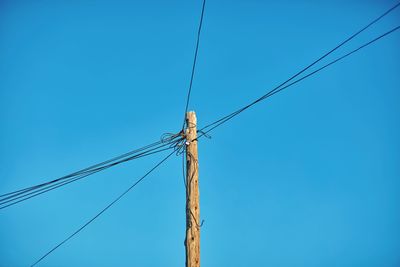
(192,240)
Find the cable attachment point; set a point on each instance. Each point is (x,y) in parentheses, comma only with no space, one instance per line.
(168,137)
(177,141)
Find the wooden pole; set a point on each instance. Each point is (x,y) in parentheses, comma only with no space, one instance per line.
(192,241)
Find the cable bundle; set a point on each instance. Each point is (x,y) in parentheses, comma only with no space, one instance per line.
(208,128)
(167,142)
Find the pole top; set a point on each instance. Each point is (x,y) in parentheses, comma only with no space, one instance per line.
(191,118)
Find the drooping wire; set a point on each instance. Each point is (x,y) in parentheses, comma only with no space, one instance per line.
(183,168)
(88,168)
(80,174)
(103,210)
(206,129)
(219,122)
(167,142)
(12,200)
(83,171)
(194,62)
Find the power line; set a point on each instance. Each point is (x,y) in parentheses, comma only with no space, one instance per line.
(194,62)
(16,196)
(87,168)
(103,210)
(15,199)
(217,123)
(206,129)
(170,141)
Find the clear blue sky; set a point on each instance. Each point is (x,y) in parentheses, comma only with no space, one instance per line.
(310,177)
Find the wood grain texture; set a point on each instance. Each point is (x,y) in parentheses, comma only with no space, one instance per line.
(192,241)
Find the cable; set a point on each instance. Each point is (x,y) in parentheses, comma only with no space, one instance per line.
(60,182)
(88,168)
(304,69)
(30,194)
(271,92)
(85,169)
(194,63)
(170,141)
(103,210)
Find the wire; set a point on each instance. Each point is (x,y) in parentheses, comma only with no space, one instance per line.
(60,182)
(93,166)
(171,141)
(272,92)
(224,119)
(38,191)
(85,169)
(194,63)
(103,210)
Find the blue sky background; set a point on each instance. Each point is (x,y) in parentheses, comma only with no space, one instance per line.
(308,178)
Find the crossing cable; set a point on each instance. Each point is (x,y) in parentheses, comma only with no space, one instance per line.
(86,171)
(206,129)
(88,168)
(94,168)
(83,171)
(10,201)
(78,175)
(169,141)
(104,209)
(194,63)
